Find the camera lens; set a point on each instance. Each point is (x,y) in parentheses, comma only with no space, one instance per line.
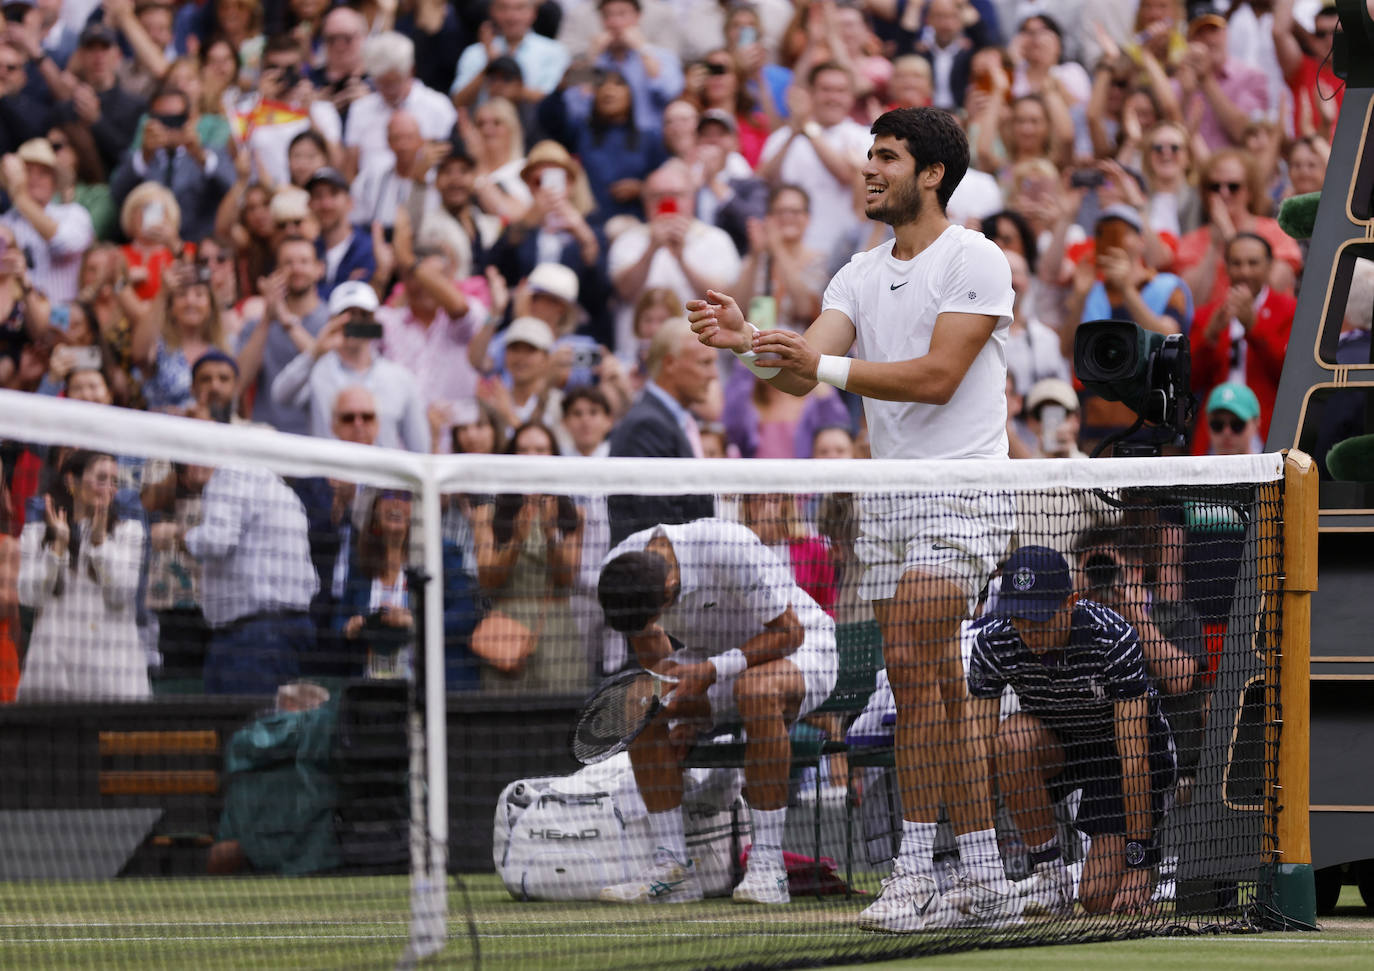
(1109,354)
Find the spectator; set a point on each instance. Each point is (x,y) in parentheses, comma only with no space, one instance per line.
(292,316)
(781,280)
(1166,161)
(390,60)
(1052,419)
(730,195)
(78,571)
(206,109)
(911,84)
(681,119)
(305,156)
(1232,202)
(763,422)
(256,582)
(773,518)
(820,149)
(1305,59)
(1243,336)
(24,311)
(654,308)
(428,332)
(387,185)
(172,156)
(496,142)
(615,150)
(509,31)
(342,77)
(717,86)
(173,588)
(653,73)
(673,249)
(1307,160)
(947,49)
(214,387)
(190,326)
(112,311)
(52,235)
(523,392)
(24,113)
(1233,419)
(81,176)
(660,424)
(528,555)
(504,79)
(216,256)
(1033,350)
(151,219)
(97,99)
(282,106)
(587,421)
(338,359)
(347,251)
(454,185)
(1219,95)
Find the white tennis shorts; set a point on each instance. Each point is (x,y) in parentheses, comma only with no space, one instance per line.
(962,537)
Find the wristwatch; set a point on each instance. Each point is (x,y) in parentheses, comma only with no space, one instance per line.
(1140,856)
(812,130)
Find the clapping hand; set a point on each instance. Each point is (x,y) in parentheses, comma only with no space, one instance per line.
(57,525)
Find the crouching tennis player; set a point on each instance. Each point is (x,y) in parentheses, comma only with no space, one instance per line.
(757,650)
(1089,720)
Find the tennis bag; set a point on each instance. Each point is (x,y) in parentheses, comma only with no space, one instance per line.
(565,838)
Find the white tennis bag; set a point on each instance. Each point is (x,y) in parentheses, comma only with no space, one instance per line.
(565,838)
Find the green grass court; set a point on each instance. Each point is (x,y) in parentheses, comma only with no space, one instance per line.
(362,923)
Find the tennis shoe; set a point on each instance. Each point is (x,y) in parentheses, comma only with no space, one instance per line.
(763,884)
(1048,891)
(667,881)
(994,903)
(908,903)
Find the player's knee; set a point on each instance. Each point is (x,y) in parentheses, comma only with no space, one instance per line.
(755,693)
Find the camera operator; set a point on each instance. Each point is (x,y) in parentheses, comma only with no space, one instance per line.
(345,354)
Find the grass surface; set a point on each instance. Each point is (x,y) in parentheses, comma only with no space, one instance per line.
(363,923)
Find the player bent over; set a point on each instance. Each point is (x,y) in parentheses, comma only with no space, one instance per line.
(1089,720)
(757,651)
(925,317)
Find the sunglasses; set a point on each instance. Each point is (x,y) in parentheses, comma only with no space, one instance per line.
(1164,148)
(713,67)
(1232,187)
(1219,425)
(349,417)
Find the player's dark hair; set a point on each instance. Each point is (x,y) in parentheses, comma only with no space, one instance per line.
(633,590)
(931,135)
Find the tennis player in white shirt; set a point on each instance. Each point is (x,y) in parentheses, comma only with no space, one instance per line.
(926,316)
(757,650)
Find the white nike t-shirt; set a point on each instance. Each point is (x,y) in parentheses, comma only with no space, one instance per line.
(893,305)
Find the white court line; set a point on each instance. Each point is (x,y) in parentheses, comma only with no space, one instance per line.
(206,923)
(1248,939)
(314,938)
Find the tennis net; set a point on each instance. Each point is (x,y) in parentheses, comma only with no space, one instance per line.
(414,775)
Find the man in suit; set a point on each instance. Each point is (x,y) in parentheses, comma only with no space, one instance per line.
(1243,336)
(944,44)
(172,155)
(345,249)
(659,424)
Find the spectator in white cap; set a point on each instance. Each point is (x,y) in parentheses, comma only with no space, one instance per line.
(345,354)
(52,235)
(1052,417)
(521,391)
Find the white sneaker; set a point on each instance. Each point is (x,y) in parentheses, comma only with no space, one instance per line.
(763,884)
(908,903)
(1048,891)
(992,904)
(666,882)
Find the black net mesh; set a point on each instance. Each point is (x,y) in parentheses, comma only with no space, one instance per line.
(904,722)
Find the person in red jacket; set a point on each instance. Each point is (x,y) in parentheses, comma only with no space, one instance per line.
(1243,336)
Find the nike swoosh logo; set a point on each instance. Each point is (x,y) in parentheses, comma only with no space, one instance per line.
(897,286)
(708,606)
(940,546)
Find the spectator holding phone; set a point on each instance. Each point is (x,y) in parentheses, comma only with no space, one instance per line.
(342,78)
(172,156)
(151,219)
(343,354)
(52,235)
(390,60)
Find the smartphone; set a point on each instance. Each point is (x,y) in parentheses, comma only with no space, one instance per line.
(1051,419)
(554,179)
(362,324)
(748,35)
(1086,179)
(153,214)
(586,358)
(667,206)
(85,358)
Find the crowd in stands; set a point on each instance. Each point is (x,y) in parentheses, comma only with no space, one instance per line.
(209,205)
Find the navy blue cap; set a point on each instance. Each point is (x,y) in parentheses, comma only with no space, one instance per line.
(212,355)
(1035,583)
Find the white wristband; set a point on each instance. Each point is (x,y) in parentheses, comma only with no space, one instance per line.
(833,370)
(750,360)
(729,664)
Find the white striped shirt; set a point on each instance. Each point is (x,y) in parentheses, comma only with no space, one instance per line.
(54,264)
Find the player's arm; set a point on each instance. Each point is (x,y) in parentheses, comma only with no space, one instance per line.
(651,646)
(719,322)
(931,378)
(1132,746)
(780,637)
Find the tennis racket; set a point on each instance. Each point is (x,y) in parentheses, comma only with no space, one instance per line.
(614,716)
